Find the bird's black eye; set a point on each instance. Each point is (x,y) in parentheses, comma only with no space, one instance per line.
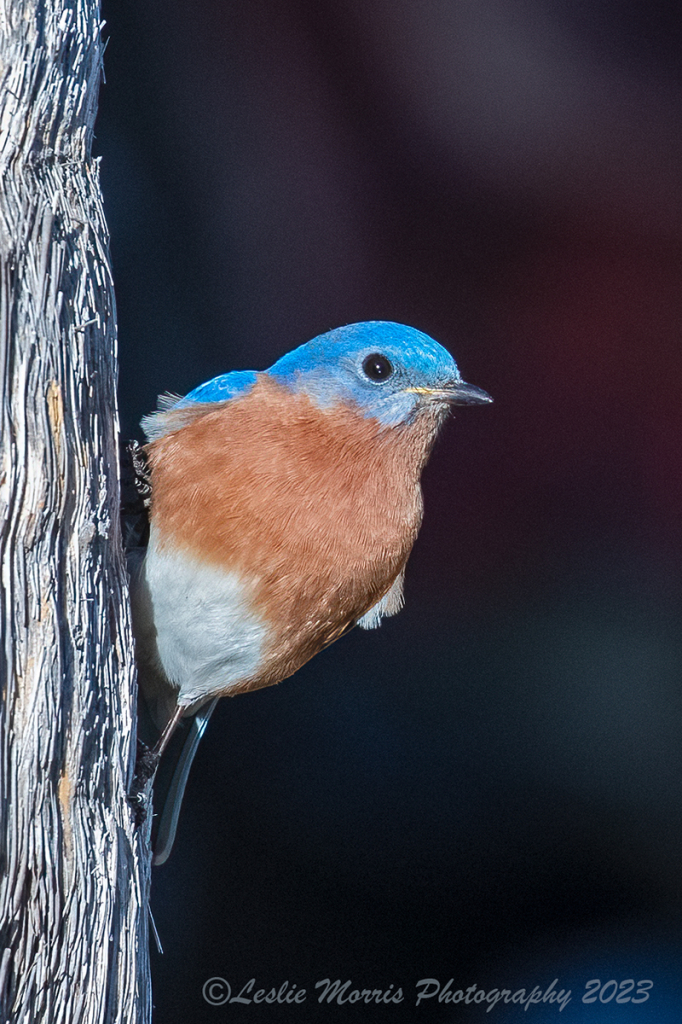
(377,367)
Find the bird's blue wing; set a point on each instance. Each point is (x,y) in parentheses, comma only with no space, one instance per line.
(228,385)
(169,414)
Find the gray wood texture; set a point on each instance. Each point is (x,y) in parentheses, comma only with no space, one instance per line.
(74,870)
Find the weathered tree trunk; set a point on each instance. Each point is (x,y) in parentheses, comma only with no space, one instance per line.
(75,873)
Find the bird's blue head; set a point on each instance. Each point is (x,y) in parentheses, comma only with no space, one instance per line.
(388,370)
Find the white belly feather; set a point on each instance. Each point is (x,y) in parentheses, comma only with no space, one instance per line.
(208,637)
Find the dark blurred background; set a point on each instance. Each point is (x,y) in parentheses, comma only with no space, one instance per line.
(489,789)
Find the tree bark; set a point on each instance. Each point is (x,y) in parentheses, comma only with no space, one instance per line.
(75,871)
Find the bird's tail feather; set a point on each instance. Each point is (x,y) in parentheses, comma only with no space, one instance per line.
(168,822)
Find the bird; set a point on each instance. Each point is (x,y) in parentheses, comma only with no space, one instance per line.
(283,507)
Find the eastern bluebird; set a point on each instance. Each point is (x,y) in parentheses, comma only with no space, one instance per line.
(284,506)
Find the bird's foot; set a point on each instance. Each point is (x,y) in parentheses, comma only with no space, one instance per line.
(139,796)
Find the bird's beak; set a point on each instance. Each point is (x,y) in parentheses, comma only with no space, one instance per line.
(457,393)
(462,393)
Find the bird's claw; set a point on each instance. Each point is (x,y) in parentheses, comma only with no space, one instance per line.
(139,796)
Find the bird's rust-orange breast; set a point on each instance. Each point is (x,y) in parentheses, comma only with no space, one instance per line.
(317,509)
